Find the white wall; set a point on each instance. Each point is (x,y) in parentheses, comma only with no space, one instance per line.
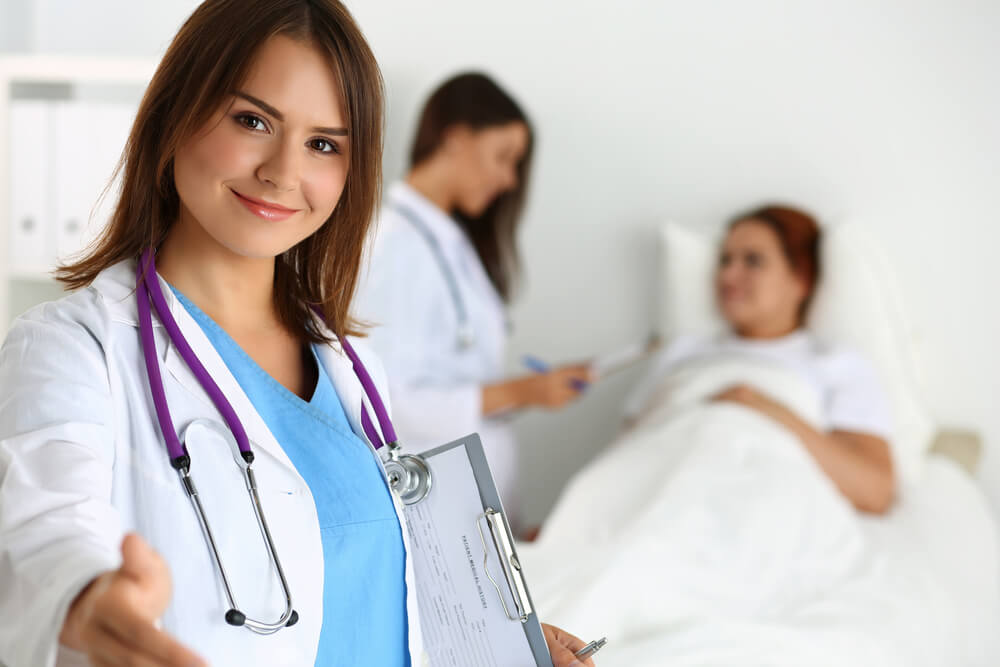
(647,110)
(693,110)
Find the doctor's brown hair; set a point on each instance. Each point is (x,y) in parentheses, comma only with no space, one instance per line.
(208,59)
(475,101)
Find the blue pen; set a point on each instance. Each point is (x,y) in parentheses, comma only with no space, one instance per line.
(539,366)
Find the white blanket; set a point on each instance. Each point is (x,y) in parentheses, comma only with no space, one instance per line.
(709,536)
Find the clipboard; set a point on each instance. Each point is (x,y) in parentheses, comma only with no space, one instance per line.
(475,607)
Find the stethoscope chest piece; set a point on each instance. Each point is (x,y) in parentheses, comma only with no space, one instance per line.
(409,476)
(466,336)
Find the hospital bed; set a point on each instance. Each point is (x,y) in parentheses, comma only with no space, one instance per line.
(926,590)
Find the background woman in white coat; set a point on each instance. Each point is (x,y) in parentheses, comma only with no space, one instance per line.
(443,270)
(250,177)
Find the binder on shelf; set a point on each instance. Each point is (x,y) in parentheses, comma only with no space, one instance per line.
(112,124)
(89,139)
(30,206)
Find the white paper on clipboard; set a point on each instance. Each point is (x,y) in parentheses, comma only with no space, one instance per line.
(462,619)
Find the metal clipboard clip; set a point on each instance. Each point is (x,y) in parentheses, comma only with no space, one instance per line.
(500,534)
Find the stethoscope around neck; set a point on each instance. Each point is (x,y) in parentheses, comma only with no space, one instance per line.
(466,337)
(408,475)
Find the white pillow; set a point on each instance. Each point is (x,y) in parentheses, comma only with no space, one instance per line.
(856,304)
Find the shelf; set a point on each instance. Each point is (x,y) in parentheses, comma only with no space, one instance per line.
(23,287)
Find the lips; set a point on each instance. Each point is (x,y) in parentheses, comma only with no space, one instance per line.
(265,209)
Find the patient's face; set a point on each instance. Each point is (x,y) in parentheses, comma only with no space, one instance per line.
(757,291)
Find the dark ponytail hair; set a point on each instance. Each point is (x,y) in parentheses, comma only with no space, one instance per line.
(475,101)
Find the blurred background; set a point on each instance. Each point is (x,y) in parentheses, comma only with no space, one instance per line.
(644,112)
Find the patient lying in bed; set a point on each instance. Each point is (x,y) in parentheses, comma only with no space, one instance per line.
(768,268)
(725,517)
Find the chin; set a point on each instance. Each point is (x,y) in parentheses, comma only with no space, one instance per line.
(735,318)
(473,210)
(251,248)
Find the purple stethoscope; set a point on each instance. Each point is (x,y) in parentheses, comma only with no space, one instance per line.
(408,475)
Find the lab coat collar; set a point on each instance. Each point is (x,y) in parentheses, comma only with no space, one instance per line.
(116,285)
(445,229)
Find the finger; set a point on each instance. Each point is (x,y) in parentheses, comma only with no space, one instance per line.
(562,656)
(571,641)
(564,646)
(148,640)
(107,649)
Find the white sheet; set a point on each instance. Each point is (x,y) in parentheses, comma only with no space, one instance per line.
(708,536)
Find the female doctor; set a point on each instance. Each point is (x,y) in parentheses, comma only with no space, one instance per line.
(442,272)
(209,337)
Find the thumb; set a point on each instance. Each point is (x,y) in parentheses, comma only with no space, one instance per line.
(142,565)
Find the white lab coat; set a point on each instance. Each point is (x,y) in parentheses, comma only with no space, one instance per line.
(82,461)
(436,386)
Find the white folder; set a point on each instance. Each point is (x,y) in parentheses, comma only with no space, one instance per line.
(89,139)
(30,214)
(112,124)
(71,181)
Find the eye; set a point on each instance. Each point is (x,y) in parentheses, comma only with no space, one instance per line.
(322,145)
(754,260)
(251,122)
(725,259)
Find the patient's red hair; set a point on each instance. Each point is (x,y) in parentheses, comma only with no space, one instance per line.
(799,235)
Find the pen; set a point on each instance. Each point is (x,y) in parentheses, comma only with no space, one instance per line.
(591,648)
(539,366)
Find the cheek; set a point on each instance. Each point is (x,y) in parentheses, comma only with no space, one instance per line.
(220,156)
(776,291)
(324,187)
(487,172)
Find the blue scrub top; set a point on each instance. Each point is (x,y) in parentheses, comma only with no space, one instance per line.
(364,584)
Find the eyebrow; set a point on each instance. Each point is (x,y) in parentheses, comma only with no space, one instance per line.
(336,131)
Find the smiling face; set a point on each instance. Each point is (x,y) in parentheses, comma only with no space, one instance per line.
(758,292)
(268,168)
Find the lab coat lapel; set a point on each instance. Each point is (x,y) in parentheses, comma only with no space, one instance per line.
(260,435)
(116,284)
(352,396)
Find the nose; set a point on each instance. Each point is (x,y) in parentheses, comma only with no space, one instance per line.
(729,273)
(280,167)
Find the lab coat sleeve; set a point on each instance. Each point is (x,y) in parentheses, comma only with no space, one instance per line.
(58,529)
(428,414)
(404,297)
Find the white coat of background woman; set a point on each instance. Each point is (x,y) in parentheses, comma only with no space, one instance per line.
(443,270)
